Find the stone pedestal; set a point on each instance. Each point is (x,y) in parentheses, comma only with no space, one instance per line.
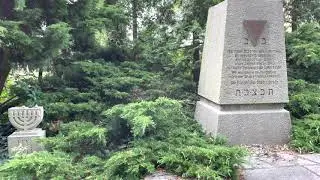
(24,141)
(243,80)
(245,124)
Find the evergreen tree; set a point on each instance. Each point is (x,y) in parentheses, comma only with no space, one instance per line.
(301,11)
(28,37)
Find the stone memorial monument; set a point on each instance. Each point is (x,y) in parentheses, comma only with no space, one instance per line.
(243,81)
(25,120)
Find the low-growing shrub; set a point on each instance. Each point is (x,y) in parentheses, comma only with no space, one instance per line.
(137,139)
(304,98)
(40,165)
(133,163)
(146,118)
(81,138)
(68,111)
(143,117)
(165,137)
(306,134)
(202,159)
(93,167)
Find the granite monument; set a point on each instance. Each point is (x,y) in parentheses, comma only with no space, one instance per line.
(243,80)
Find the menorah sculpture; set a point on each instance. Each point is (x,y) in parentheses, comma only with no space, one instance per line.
(25,120)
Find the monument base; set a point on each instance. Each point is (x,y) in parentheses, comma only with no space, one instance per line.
(245,124)
(24,141)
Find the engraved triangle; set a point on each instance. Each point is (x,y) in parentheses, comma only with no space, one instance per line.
(255,29)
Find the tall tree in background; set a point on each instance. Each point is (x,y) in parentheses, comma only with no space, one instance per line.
(134,4)
(195,14)
(29,37)
(40,33)
(94,24)
(171,34)
(6,12)
(301,11)
(137,11)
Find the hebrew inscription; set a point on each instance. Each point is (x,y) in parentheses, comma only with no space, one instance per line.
(254,68)
(26,143)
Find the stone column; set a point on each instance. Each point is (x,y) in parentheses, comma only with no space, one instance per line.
(243,80)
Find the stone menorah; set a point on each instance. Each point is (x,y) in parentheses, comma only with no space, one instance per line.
(24,118)
(26,121)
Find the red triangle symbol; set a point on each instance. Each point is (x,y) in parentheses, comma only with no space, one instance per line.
(254,28)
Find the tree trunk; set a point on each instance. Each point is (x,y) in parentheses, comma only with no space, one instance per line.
(6,13)
(294,15)
(134,27)
(6,9)
(134,20)
(14,101)
(196,57)
(4,68)
(40,76)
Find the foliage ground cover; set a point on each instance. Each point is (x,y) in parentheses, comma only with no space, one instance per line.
(131,141)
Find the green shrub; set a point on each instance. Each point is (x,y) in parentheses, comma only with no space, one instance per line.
(306,134)
(78,137)
(86,88)
(147,118)
(304,105)
(6,94)
(206,161)
(113,84)
(93,167)
(28,91)
(131,164)
(142,115)
(68,111)
(40,165)
(53,165)
(138,138)
(212,162)
(304,98)
(164,137)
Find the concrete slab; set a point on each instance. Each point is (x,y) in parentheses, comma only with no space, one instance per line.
(314,169)
(304,162)
(255,163)
(280,173)
(311,157)
(282,159)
